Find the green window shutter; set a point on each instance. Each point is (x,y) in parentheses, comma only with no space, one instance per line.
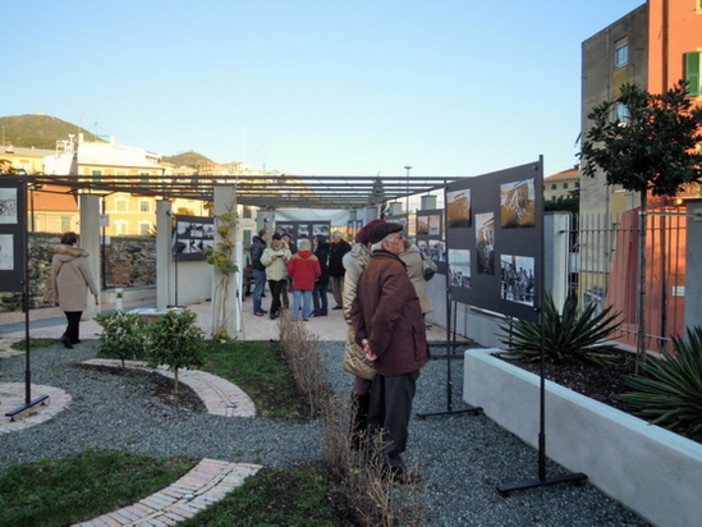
(692,72)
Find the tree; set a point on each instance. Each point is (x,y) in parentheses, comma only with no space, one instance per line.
(654,147)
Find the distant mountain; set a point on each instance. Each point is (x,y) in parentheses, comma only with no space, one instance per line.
(187,159)
(38,131)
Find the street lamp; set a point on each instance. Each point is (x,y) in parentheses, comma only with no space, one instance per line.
(407,168)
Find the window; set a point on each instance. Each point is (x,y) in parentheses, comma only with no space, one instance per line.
(66,223)
(144,205)
(247,237)
(144,228)
(565,185)
(692,73)
(577,184)
(247,212)
(621,113)
(97,175)
(121,227)
(121,204)
(621,54)
(553,186)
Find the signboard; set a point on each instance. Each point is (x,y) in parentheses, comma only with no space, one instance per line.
(494,235)
(13,233)
(193,236)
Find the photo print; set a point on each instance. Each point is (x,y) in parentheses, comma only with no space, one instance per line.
(517,282)
(434,249)
(434,224)
(518,204)
(320,230)
(8,205)
(7,252)
(459,268)
(458,208)
(485,242)
(422,225)
(285,227)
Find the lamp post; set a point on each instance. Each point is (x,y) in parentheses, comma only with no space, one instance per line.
(407,168)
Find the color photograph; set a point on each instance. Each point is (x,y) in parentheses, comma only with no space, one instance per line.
(517,204)
(458,208)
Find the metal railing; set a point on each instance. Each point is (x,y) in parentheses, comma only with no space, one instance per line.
(604,270)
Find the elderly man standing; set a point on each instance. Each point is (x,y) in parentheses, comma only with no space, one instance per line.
(339,248)
(387,319)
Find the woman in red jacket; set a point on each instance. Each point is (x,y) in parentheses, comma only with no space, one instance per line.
(304,270)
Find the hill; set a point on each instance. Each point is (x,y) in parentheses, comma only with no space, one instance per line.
(38,131)
(187,159)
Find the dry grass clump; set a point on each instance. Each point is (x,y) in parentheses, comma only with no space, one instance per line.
(301,348)
(372,496)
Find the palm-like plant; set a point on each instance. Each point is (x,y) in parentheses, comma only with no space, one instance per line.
(669,393)
(570,336)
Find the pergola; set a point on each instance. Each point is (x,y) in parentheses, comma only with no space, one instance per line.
(283,191)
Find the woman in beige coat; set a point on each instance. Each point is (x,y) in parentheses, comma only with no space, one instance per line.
(71,278)
(415,269)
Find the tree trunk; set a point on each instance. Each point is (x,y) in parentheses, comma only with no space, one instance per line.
(641,306)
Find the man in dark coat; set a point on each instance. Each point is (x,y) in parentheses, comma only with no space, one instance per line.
(319,295)
(258,245)
(339,248)
(389,326)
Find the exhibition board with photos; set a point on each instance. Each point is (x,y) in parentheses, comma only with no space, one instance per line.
(13,233)
(193,237)
(494,240)
(431,236)
(303,229)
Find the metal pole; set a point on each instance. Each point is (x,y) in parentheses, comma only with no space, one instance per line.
(407,168)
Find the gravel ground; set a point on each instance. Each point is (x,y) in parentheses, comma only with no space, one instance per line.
(461,457)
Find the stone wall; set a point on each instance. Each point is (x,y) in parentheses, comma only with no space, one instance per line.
(130,261)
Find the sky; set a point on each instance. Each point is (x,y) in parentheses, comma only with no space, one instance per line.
(453,88)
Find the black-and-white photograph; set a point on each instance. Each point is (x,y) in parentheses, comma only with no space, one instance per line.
(8,205)
(517,279)
(434,249)
(320,229)
(458,208)
(193,237)
(518,204)
(285,227)
(459,268)
(485,242)
(7,252)
(303,231)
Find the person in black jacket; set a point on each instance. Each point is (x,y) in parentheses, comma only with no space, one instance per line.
(339,248)
(319,295)
(258,245)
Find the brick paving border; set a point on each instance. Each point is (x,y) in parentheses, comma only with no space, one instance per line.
(220,396)
(12,395)
(205,484)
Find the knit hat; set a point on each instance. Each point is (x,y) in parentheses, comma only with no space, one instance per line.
(277,236)
(380,231)
(363,234)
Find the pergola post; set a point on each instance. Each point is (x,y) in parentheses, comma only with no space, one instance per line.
(225,305)
(90,241)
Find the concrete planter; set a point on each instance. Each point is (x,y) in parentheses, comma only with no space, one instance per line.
(652,471)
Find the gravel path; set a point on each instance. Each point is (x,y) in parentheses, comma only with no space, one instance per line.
(461,457)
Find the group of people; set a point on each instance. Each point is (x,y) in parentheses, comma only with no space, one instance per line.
(305,269)
(379,283)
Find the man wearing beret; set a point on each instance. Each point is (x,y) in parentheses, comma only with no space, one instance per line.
(389,326)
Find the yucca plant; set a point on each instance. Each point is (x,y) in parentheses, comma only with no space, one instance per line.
(669,393)
(568,337)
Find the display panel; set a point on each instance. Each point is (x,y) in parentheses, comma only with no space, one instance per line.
(13,233)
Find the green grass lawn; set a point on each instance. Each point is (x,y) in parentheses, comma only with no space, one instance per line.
(59,492)
(258,369)
(34,344)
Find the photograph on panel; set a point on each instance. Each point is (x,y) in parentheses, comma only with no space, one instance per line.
(8,205)
(458,208)
(459,268)
(434,224)
(485,242)
(422,228)
(7,252)
(517,279)
(518,204)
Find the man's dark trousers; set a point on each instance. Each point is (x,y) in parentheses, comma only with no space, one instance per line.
(391,409)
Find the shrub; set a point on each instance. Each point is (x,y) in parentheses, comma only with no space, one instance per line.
(568,337)
(122,335)
(669,393)
(173,339)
